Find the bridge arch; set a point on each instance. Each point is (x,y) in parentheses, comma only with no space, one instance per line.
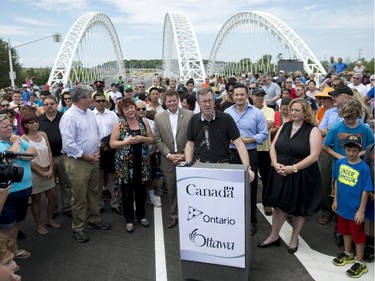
(89,25)
(179,37)
(279,29)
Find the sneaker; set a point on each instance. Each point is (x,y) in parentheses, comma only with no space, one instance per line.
(343,259)
(80,236)
(155,200)
(98,225)
(357,270)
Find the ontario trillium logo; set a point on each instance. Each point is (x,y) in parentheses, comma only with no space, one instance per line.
(193,213)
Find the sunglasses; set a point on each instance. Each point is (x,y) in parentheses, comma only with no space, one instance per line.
(141,109)
(141,86)
(100,101)
(67,98)
(356,78)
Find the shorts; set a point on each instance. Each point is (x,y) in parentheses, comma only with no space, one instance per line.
(15,208)
(348,227)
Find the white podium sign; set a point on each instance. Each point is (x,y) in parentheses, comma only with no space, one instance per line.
(211,209)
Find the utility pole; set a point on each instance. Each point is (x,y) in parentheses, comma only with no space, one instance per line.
(359,53)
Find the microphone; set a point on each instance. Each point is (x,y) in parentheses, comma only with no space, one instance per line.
(207,136)
(13,155)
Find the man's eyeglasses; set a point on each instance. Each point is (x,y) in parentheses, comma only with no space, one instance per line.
(141,109)
(49,104)
(207,101)
(100,101)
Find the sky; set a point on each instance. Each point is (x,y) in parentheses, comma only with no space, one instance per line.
(340,28)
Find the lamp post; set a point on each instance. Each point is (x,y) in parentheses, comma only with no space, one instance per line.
(56,39)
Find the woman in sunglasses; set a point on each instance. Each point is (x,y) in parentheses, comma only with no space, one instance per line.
(66,101)
(41,172)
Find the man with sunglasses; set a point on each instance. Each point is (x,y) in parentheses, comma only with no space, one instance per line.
(49,123)
(357,84)
(105,120)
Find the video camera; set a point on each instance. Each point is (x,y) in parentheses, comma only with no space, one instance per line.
(8,172)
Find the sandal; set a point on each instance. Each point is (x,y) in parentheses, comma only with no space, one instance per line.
(53,224)
(21,254)
(41,230)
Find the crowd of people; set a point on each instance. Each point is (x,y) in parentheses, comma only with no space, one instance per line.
(301,137)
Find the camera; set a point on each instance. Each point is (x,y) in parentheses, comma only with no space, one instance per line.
(8,172)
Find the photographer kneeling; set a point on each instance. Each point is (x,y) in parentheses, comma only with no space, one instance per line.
(15,206)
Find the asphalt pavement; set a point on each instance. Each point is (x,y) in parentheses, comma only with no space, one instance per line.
(115,255)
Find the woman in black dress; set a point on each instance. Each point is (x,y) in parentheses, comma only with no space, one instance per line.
(295,186)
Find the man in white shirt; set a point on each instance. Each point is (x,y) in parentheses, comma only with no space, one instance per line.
(105,120)
(357,84)
(80,143)
(114,93)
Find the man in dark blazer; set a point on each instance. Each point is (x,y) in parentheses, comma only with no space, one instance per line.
(170,137)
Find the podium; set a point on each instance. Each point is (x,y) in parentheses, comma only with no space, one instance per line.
(214,221)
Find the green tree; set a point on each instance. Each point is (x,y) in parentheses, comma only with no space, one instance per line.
(4,62)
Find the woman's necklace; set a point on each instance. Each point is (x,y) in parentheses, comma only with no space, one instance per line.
(295,128)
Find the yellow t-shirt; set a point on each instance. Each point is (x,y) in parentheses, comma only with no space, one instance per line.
(269,113)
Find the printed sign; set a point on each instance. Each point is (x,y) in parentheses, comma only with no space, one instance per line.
(211,208)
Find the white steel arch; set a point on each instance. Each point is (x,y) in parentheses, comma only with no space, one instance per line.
(178,29)
(278,28)
(63,64)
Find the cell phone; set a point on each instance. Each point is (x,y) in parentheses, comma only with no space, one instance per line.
(182,164)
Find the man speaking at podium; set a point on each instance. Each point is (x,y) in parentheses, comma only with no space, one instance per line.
(210,132)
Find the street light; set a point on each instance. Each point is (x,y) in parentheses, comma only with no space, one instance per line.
(56,39)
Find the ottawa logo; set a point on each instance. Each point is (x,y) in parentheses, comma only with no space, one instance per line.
(201,241)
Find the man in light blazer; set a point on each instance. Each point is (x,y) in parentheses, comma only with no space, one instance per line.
(170,137)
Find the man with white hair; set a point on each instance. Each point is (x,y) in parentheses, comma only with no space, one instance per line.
(359,68)
(357,84)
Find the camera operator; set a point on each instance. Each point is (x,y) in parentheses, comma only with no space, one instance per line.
(15,207)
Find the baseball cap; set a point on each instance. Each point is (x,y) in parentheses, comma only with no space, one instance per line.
(341,90)
(99,83)
(353,139)
(128,87)
(259,91)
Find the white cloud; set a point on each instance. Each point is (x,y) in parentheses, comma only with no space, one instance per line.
(13,30)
